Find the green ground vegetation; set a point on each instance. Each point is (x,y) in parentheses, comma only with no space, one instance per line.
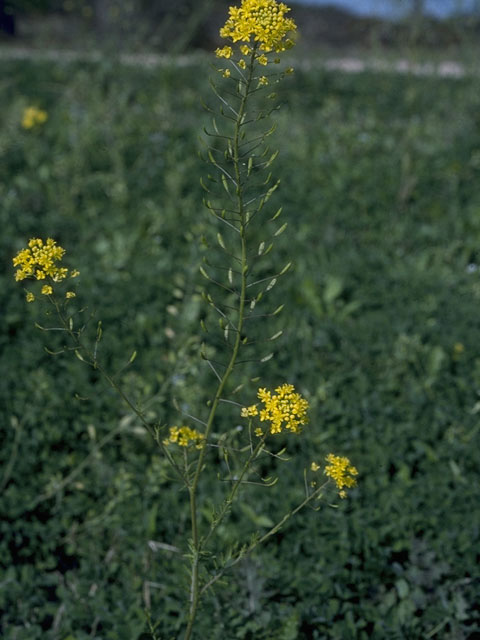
(380,179)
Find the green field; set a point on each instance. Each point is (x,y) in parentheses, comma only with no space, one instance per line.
(380,184)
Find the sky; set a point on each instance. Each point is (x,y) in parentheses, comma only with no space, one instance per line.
(397,8)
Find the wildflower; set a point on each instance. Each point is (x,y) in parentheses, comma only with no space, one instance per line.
(47,290)
(458,349)
(263,20)
(262,81)
(314,466)
(342,473)
(245,49)
(249,411)
(29,297)
(242,64)
(285,409)
(263,59)
(184,436)
(74,273)
(70,294)
(224,52)
(226,73)
(32,117)
(39,261)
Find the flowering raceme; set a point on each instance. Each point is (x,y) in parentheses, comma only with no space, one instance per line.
(39,262)
(342,473)
(184,436)
(264,21)
(285,409)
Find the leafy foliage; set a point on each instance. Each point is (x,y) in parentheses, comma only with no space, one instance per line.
(379,187)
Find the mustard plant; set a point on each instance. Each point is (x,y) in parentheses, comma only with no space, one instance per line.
(238,189)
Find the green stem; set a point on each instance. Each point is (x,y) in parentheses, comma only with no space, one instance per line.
(96,365)
(267,535)
(194,583)
(229,499)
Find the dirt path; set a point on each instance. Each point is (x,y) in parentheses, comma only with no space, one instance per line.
(447,68)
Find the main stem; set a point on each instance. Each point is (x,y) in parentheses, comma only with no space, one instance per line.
(196,545)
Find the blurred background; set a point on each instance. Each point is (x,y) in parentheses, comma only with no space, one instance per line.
(182,25)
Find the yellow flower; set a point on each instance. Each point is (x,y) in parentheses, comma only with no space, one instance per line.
(70,294)
(226,73)
(40,260)
(245,49)
(264,21)
(47,290)
(285,409)
(32,117)
(342,473)
(224,52)
(29,297)
(262,81)
(184,436)
(263,59)
(242,64)
(74,273)
(314,466)
(249,411)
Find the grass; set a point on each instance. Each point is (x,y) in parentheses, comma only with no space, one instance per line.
(380,188)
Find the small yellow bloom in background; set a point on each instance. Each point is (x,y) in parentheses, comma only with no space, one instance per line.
(74,273)
(29,297)
(258,432)
(226,73)
(224,52)
(245,49)
(263,59)
(285,409)
(185,436)
(33,117)
(458,349)
(242,64)
(47,290)
(289,70)
(70,294)
(314,466)
(342,473)
(262,81)
(263,21)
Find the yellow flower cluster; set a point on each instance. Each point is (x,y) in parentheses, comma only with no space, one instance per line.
(263,20)
(184,436)
(32,117)
(39,261)
(285,409)
(342,473)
